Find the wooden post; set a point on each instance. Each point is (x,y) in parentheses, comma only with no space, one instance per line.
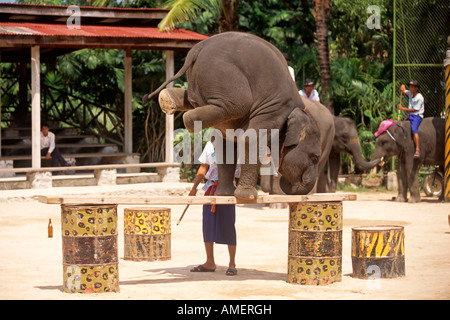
(35,107)
(128,116)
(0,103)
(315,243)
(170,71)
(447,123)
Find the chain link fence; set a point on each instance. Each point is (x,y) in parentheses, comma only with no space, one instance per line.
(421,28)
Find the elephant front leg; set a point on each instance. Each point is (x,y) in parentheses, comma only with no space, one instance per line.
(401,182)
(413,181)
(246,188)
(226,177)
(334,163)
(247,182)
(226,168)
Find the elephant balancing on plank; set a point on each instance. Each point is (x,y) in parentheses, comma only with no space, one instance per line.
(240,81)
(397,141)
(345,140)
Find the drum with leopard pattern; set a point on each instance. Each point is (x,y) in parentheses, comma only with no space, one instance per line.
(147,234)
(89,242)
(378,252)
(315,243)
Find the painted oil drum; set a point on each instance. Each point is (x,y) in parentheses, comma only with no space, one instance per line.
(378,252)
(315,243)
(90,254)
(147,234)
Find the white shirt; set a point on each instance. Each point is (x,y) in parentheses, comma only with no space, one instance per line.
(416,103)
(314,94)
(208,157)
(292,73)
(48,141)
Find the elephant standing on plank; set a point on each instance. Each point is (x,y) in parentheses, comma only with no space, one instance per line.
(345,140)
(240,81)
(397,141)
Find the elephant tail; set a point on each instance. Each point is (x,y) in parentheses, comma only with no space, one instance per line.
(190,59)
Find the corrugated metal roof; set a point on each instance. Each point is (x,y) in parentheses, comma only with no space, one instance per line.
(44,6)
(50,30)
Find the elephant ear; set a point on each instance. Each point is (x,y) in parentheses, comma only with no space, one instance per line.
(402,134)
(297,127)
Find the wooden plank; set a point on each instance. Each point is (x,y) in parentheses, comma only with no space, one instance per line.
(73,155)
(94,167)
(63,145)
(194,200)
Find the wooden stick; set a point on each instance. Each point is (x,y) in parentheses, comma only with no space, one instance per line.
(398,115)
(182,215)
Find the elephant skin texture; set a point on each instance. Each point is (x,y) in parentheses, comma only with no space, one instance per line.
(240,81)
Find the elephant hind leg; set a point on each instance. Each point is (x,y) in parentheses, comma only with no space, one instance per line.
(209,116)
(174,99)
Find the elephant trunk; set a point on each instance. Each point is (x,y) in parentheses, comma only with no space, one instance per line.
(300,187)
(360,162)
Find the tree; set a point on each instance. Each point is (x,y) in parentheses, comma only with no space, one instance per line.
(183,10)
(321,8)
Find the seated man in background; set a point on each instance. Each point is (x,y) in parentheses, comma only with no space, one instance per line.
(49,149)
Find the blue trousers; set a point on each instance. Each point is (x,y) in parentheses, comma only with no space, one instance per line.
(219,226)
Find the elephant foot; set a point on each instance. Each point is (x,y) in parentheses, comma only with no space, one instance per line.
(414,199)
(166,102)
(246,192)
(225,190)
(401,199)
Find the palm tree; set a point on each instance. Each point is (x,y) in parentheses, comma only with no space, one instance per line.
(321,8)
(183,10)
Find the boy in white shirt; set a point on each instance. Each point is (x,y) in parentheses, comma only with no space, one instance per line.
(416,109)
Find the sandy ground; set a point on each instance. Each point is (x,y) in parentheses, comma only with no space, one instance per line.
(31,263)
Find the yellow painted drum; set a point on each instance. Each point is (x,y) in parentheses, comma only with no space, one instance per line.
(315,243)
(378,252)
(147,234)
(89,241)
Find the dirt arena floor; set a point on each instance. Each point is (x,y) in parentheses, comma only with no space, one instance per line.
(31,263)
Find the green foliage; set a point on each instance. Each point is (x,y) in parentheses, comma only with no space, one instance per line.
(183,10)
(361,60)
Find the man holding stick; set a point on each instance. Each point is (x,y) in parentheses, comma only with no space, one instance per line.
(218,220)
(416,109)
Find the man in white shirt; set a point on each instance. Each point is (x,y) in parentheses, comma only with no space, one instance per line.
(308,91)
(291,70)
(416,109)
(49,149)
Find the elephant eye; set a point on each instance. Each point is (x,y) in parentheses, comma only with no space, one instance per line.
(314,159)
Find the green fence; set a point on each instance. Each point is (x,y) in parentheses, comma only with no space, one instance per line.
(421,28)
